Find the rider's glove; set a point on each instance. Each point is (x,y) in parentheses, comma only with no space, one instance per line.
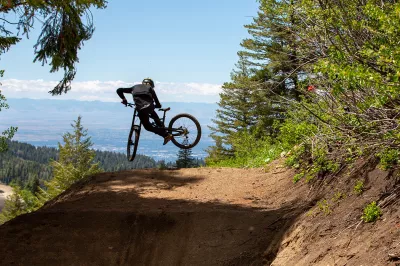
(124,102)
(158,106)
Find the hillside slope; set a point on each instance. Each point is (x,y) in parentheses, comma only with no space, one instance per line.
(193,217)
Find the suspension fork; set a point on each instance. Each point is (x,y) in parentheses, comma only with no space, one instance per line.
(135,114)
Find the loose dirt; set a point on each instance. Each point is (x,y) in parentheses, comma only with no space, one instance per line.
(203,216)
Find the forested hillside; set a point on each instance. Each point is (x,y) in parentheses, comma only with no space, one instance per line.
(318,81)
(23,161)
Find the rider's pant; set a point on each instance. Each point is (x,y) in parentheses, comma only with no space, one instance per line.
(145,119)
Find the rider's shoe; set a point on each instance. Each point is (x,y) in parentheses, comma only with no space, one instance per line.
(167,138)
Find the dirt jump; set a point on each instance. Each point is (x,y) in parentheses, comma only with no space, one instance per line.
(202,216)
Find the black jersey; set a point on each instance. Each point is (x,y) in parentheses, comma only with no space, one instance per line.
(144,96)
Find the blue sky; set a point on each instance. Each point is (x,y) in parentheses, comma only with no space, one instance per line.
(190,45)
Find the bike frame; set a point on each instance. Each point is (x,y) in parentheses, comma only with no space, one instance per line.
(179,134)
(172,131)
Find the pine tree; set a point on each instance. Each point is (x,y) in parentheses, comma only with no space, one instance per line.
(235,112)
(33,185)
(185,159)
(66,25)
(75,162)
(162,165)
(8,133)
(265,82)
(274,46)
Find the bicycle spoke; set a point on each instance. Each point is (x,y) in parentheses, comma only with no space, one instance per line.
(188,129)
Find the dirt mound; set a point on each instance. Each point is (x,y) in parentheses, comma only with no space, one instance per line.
(149,217)
(206,217)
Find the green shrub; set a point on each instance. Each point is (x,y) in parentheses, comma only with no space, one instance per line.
(250,151)
(338,196)
(359,187)
(389,158)
(324,207)
(297,177)
(295,156)
(297,127)
(322,163)
(319,165)
(371,213)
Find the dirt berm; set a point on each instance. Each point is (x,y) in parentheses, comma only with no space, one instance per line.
(199,217)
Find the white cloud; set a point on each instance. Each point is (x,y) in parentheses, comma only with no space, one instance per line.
(189,88)
(105,90)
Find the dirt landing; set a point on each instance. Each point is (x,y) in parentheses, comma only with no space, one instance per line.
(149,217)
(211,217)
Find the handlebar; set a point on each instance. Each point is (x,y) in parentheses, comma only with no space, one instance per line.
(132,105)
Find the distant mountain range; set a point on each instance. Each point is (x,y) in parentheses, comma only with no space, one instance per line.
(42,123)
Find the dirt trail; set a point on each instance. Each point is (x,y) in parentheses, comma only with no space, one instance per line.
(208,217)
(150,217)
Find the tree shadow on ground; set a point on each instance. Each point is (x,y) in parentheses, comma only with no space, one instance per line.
(143,178)
(91,224)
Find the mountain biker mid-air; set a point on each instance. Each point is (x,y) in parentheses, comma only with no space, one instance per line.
(144,97)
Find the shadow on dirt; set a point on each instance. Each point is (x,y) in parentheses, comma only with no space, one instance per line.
(105,227)
(143,178)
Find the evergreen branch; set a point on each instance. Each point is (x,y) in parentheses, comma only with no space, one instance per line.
(12,23)
(6,8)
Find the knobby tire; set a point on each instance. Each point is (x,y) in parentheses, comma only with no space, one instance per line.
(192,138)
(133,143)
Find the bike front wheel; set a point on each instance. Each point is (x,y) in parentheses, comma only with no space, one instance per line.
(133,141)
(185,130)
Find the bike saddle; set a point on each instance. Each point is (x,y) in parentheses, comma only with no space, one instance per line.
(165,110)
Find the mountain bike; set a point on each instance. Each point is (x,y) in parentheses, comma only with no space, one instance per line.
(184,128)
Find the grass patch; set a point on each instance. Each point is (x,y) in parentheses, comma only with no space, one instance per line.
(359,187)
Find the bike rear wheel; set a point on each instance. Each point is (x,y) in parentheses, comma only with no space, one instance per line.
(186,131)
(133,141)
